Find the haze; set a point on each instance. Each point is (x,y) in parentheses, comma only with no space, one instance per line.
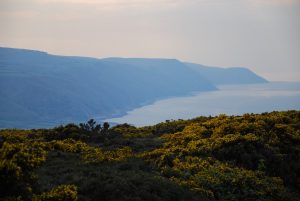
(262,35)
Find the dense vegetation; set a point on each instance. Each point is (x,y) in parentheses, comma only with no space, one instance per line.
(249,157)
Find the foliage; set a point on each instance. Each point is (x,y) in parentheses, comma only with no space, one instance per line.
(16,164)
(96,155)
(60,193)
(226,157)
(249,157)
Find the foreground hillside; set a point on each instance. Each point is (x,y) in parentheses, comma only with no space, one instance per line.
(228,158)
(42,90)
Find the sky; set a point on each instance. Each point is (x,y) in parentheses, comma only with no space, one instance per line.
(262,35)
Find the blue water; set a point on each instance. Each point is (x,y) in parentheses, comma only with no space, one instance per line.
(230,100)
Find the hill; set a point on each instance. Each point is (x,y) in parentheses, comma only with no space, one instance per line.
(225,76)
(38,89)
(248,157)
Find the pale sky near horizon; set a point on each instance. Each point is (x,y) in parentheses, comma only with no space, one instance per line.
(262,35)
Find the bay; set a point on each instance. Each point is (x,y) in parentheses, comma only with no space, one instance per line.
(229,100)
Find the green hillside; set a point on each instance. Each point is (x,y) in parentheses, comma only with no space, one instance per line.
(226,158)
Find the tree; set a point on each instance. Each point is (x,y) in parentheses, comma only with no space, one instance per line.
(91,123)
(105,128)
(90,126)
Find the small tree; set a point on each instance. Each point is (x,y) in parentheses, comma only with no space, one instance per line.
(91,123)
(90,126)
(105,128)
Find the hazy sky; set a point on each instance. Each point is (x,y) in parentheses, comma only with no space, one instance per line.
(263,35)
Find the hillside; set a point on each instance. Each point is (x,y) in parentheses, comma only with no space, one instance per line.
(228,158)
(38,89)
(225,76)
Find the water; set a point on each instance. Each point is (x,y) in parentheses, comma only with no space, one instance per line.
(230,100)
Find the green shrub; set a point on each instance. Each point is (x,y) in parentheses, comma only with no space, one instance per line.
(60,193)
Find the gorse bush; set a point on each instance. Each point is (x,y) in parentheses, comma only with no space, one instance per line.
(60,193)
(17,161)
(249,157)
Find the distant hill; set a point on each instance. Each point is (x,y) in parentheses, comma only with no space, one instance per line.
(41,90)
(221,76)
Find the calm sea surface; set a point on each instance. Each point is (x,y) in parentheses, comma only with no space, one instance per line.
(230,100)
